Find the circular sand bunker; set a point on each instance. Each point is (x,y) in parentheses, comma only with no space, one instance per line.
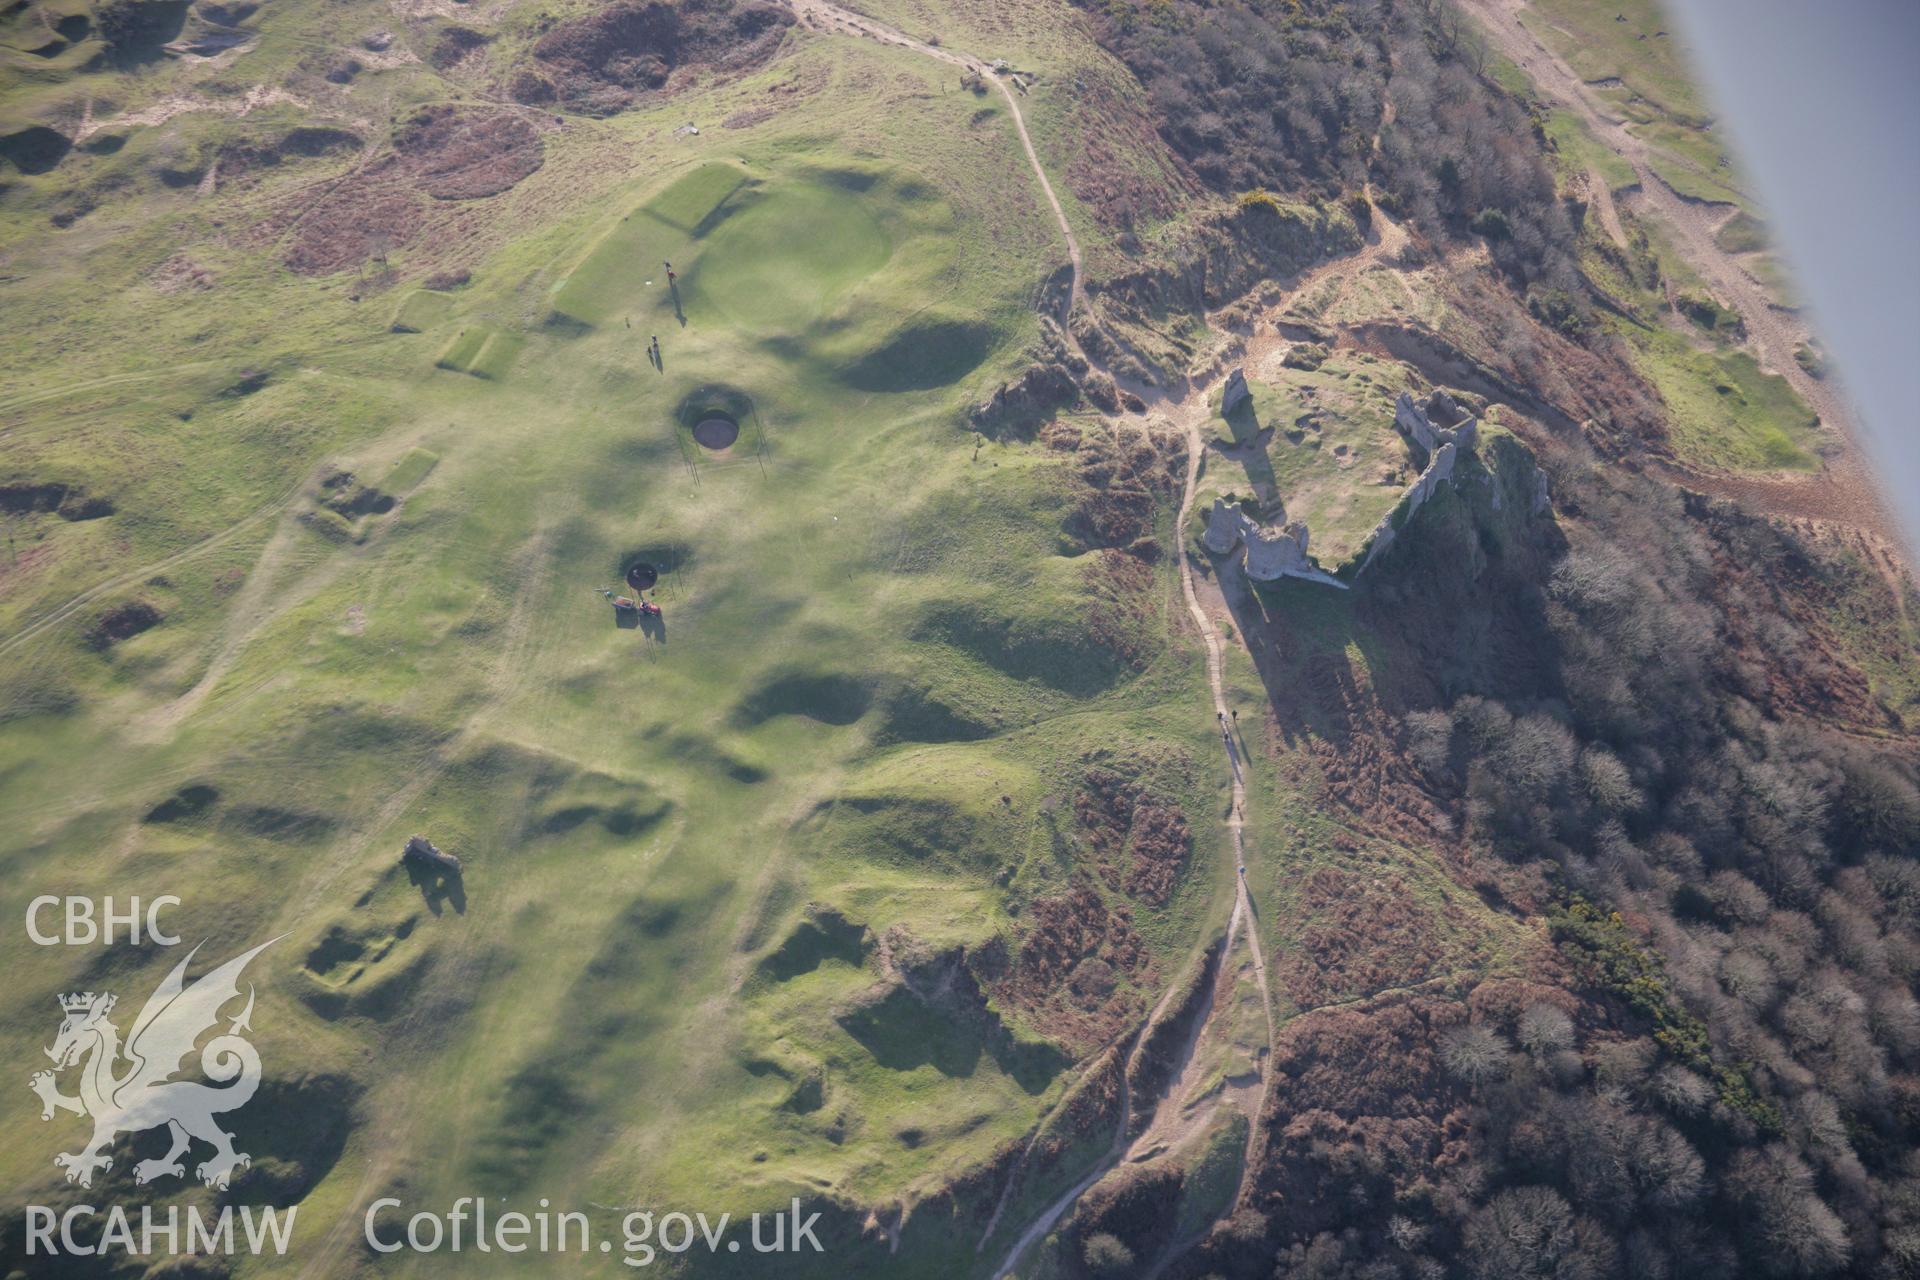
(714,416)
(716,431)
(641,576)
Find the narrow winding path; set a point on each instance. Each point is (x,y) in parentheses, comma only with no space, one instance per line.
(1243,908)
(1243,916)
(821,15)
(1216,682)
(1038,1228)
(824,16)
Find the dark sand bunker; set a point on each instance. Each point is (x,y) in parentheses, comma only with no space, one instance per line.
(716,431)
(713,416)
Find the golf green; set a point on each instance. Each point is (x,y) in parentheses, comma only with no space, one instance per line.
(784,259)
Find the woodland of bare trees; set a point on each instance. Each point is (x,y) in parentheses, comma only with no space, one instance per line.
(1641,717)
(1734,886)
(1293,97)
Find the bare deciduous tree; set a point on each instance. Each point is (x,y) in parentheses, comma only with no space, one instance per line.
(1475,1053)
(1544,1029)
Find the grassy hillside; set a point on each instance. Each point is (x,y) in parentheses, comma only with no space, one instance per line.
(362,496)
(960,852)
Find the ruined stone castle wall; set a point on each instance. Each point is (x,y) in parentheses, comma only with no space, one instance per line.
(1282,553)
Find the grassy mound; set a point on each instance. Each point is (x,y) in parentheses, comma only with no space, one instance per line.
(908,830)
(420,310)
(935,810)
(34,148)
(914,714)
(626,270)
(482,350)
(690,203)
(828,267)
(824,936)
(465,348)
(904,1032)
(410,471)
(270,822)
(189,802)
(1025,641)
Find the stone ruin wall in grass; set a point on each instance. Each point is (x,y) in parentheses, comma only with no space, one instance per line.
(1442,446)
(1272,554)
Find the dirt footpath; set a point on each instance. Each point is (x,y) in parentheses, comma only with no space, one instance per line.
(1844,492)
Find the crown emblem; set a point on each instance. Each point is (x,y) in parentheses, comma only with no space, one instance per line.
(81,1002)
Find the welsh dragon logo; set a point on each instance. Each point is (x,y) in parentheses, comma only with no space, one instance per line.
(141,1094)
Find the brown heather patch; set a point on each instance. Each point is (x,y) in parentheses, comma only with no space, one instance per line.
(1365,935)
(1140,841)
(1072,970)
(603,61)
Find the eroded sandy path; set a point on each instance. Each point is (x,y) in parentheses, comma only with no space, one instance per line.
(1844,492)
(1244,914)
(1163,1116)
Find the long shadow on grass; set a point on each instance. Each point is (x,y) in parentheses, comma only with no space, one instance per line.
(903,1032)
(1250,449)
(439,889)
(1297,633)
(935,353)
